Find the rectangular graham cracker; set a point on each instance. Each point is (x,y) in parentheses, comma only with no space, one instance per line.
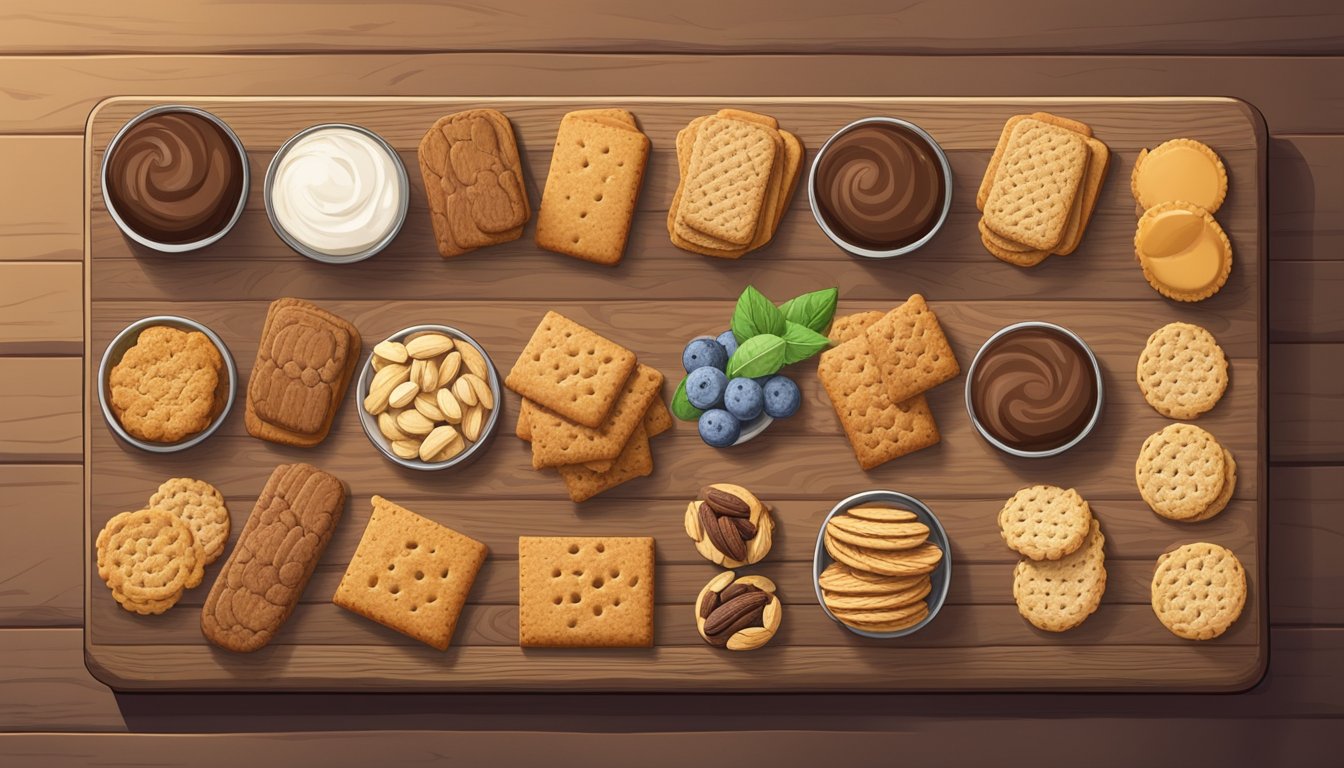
(727,178)
(1039,175)
(912,353)
(847,327)
(634,462)
(597,168)
(982,193)
(1099,161)
(557,440)
(878,429)
(658,419)
(585,592)
(410,574)
(458,153)
(571,370)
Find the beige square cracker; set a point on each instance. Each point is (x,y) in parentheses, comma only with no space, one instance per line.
(1038,177)
(571,370)
(847,327)
(410,574)
(911,351)
(878,429)
(585,592)
(634,461)
(557,440)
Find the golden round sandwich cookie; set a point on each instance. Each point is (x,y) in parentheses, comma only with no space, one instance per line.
(148,557)
(1045,522)
(840,579)
(738,614)
(842,602)
(1180,471)
(729,525)
(1184,253)
(1182,371)
(1199,590)
(201,506)
(1225,496)
(1058,595)
(1179,169)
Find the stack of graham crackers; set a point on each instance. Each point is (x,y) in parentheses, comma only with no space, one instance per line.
(877,374)
(589,407)
(1040,188)
(738,171)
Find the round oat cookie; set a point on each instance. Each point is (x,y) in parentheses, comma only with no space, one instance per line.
(1045,522)
(163,388)
(1225,496)
(1182,371)
(201,506)
(1180,471)
(1058,595)
(149,556)
(1198,590)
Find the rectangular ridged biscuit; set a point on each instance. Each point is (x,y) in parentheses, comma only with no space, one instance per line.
(1034,186)
(585,592)
(571,370)
(727,177)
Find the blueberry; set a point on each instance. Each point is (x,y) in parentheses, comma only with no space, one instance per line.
(782,397)
(704,352)
(705,386)
(744,399)
(728,341)
(719,428)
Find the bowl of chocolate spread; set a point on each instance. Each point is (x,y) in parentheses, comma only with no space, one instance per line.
(175,178)
(880,187)
(1034,390)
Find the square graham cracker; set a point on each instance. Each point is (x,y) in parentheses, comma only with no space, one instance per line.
(410,574)
(634,461)
(846,327)
(585,592)
(597,168)
(657,420)
(912,353)
(571,370)
(1037,179)
(878,429)
(557,440)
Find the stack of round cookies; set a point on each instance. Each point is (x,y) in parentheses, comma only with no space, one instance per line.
(1185,474)
(880,579)
(1061,579)
(1184,253)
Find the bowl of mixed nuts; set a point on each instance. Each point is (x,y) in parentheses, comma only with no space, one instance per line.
(429,397)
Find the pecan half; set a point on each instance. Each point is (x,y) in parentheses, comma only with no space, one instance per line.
(745,528)
(737,548)
(732,612)
(726,504)
(733,590)
(710,523)
(708,605)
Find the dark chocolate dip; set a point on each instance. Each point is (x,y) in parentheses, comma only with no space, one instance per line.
(175,178)
(1034,389)
(880,186)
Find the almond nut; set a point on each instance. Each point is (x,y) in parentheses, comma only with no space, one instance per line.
(406,449)
(387,424)
(391,351)
(464,393)
(472,357)
(452,363)
(379,363)
(473,422)
(436,441)
(413,422)
(403,394)
(453,448)
(483,394)
(380,389)
(429,345)
(428,405)
(429,377)
(448,406)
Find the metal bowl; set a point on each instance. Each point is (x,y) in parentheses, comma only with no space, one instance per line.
(175,247)
(124,341)
(1002,446)
(403,185)
(370,423)
(939,579)
(869,253)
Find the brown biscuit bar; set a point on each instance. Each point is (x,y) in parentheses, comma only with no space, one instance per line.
(276,553)
(557,440)
(304,364)
(585,592)
(571,370)
(912,353)
(473,181)
(878,429)
(1099,160)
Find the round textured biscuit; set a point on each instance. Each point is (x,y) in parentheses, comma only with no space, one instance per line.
(882,514)
(1180,471)
(1229,487)
(150,555)
(1045,522)
(163,388)
(836,601)
(201,506)
(1199,590)
(1182,371)
(1058,595)
(841,579)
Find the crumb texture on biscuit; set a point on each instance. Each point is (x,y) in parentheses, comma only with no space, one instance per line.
(594,592)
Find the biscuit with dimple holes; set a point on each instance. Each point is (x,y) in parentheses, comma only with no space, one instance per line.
(1045,522)
(912,352)
(163,389)
(571,370)
(557,441)
(1180,471)
(585,592)
(1225,496)
(847,327)
(1199,590)
(1182,371)
(148,557)
(635,461)
(201,507)
(1058,595)
(1034,187)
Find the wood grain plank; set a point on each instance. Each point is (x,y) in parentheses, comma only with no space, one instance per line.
(1304,301)
(41,553)
(1306,202)
(40,415)
(42,311)
(1306,545)
(47,686)
(41,209)
(1306,391)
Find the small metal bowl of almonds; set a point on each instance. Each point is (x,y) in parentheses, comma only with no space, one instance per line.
(429,397)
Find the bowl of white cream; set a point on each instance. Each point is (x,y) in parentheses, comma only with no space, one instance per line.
(337,193)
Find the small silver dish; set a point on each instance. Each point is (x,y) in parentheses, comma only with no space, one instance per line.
(939,579)
(370,423)
(1002,446)
(403,185)
(869,253)
(124,341)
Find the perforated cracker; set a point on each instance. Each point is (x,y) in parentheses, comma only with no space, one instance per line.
(1225,496)
(847,327)
(1199,590)
(201,507)
(410,574)
(1180,471)
(1039,175)
(634,461)
(912,353)
(557,441)
(1182,371)
(727,178)
(594,592)
(1058,595)
(571,370)
(1045,522)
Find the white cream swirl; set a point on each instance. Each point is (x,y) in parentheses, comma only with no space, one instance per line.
(337,191)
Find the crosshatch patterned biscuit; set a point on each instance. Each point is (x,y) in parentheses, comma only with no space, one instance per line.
(304,364)
(1098,163)
(1039,175)
(571,370)
(992,243)
(201,507)
(1182,371)
(277,551)
(1180,471)
(727,178)
(1045,522)
(1199,590)
(597,168)
(848,327)
(774,183)
(473,181)
(148,557)
(634,461)
(585,592)
(410,574)
(1058,595)
(163,388)
(557,441)
(912,353)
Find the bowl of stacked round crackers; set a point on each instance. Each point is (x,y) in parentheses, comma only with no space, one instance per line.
(882,565)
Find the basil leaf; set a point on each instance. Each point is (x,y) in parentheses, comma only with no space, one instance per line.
(813,310)
(801,342)
(755,315)
(759,355)
(681,405)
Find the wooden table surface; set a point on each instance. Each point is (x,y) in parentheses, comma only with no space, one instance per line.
(61,59)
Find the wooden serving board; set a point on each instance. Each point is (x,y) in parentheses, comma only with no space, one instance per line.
(658,298)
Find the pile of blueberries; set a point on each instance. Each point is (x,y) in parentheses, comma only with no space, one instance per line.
(730,403)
